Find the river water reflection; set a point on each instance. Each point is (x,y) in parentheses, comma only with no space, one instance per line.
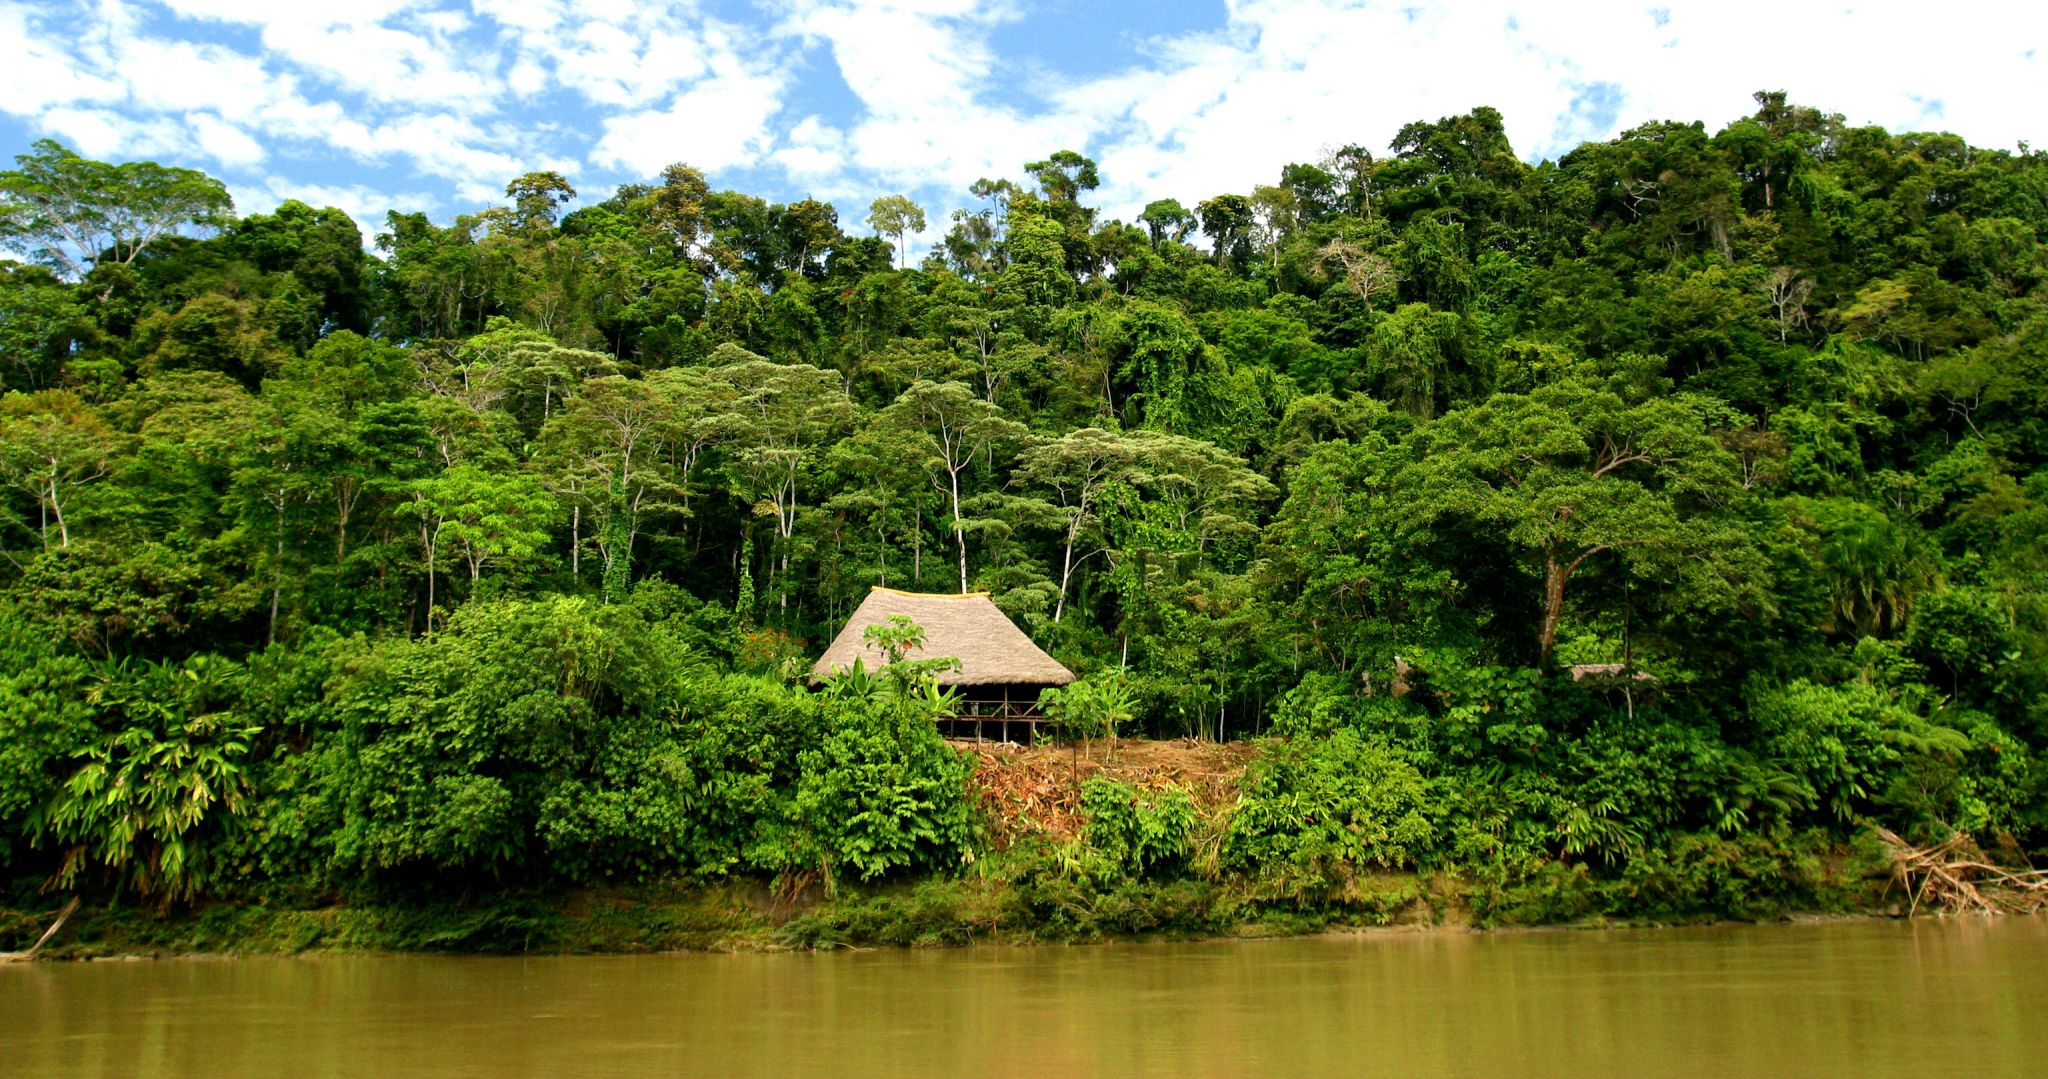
(1951,998)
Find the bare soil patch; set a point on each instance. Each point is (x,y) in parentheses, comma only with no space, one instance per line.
(1036,790)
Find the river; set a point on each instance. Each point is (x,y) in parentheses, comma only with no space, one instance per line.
(1947,998)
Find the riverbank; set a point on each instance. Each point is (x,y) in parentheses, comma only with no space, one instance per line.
(728,920)
(1017,909)
(1060,859)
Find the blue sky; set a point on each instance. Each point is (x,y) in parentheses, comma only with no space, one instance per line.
(434,104)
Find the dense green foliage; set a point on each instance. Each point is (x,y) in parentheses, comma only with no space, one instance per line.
(1662,513)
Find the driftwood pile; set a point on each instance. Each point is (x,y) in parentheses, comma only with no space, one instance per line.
(1954,877)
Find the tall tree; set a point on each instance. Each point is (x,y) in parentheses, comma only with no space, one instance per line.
(537,200)
(782,421)
(957,428)
(76,214)
(1063,176)
(51,445)
(1076,467)
(896,217)
(1573,472)
(485,517)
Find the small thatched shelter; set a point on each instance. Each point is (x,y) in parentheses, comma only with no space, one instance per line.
(1001,672)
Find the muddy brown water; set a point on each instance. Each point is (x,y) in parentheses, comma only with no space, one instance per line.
(1947,998)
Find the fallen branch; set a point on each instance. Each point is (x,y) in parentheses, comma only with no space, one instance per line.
(62,916)
(1952,877)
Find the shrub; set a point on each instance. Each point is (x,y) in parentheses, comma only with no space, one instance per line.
(1326,808)
(1133,833)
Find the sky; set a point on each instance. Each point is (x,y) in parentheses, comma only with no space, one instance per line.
(433,105)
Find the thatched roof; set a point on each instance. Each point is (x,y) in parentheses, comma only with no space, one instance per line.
(990,648)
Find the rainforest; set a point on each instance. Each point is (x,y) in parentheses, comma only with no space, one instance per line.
(1654,533)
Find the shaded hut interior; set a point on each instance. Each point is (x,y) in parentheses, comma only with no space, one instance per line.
(1001,670)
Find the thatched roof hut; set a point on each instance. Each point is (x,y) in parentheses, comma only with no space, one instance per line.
(992,651)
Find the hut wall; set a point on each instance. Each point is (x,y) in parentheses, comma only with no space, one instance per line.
(997,713)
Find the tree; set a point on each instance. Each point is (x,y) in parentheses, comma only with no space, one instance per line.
(883,485)
(1166,220)
(537,198)
(1314,191)
(1366,272)
(896,216)
(349,424)
(485,517)
(1227,220)
(679,211)
(41,323)
(75,215)
(1409,351)
(806,229)
(957,428)
(211,332)
(1275,209)
(623,450)
(1201,491)
(1164,354)
(322,250)
(1094,707)
(605,450)
(1331,558)
(999,194)
(1076,467)
(1037,275)
(51,444)
(1787,292)
(1572,472)
(897,637)
(781,420)
(1063,176)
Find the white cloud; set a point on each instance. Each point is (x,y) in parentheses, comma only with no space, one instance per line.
(98,132)
(719,123)
(389,51)
(224,142)
(815,150)
(36,74)
(164,96)
(468,95)
(923,70)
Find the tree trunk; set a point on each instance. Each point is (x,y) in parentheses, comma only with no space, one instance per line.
(960,537)
(1066,570)
(342,509)
(959,533)
(426,540)
(277,580)
(63,530)
(1555,574)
